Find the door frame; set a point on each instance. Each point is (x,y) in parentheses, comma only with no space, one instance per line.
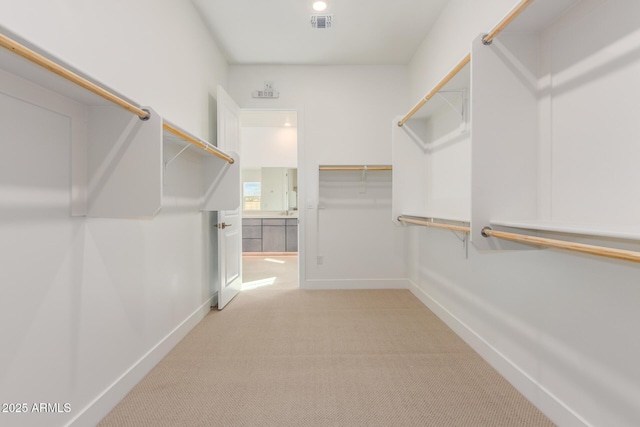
(302,187)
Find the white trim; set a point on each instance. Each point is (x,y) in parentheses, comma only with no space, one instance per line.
(93,413)
(549,404)
(355,284)
(302,197)
(300,143)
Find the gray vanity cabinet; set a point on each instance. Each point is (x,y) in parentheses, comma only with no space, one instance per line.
(292,234)
(270,235)
(252,235)
(274,236)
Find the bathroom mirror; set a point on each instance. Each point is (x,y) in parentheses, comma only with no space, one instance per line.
(270,189)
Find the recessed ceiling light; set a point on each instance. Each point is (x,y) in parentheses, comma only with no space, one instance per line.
(319,6)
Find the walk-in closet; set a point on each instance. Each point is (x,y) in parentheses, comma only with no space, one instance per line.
(319,213)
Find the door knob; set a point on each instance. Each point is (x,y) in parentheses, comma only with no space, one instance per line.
(223,225)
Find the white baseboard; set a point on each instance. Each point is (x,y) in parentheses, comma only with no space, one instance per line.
(318,284)
(553,408)
(103,404)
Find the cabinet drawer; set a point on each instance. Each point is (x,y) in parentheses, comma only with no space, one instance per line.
(251,221)
(273,221)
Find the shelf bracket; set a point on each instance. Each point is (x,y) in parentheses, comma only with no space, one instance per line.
(464,238)
(466,246)
(363,180)
(461,113)
(463,94)
(177,155)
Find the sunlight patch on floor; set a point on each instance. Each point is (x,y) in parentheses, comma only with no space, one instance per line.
(258,283)
(277,261)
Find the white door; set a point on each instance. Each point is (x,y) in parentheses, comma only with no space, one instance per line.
(229,221)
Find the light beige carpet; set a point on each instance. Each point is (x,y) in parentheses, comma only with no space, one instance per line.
(280,356)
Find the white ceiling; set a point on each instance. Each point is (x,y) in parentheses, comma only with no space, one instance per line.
(279,31)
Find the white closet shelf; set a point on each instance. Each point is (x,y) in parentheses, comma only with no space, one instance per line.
(537,159)
(221,170)
(115,141)
(457,87)
(27,70)
(431,155)
(585,229)
(169,138)
(173,134)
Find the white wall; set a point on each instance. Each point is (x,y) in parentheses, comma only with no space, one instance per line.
(90,305)
(269,147)
(159,54)
(560,326)
(343,118)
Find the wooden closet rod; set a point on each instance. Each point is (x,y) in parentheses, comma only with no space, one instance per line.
(207,147)
(560,244)
(434,224)
(355,168)
(487,39)
(40,60)
(437,88)
(506,21)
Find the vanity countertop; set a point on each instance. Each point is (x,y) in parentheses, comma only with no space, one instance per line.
(270,215)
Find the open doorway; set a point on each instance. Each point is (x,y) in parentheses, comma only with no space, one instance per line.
(270,220)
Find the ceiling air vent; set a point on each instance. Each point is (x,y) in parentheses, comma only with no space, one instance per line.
(321,22)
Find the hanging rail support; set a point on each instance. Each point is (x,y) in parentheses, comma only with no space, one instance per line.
(206,147)
(513,14)
(363,180)
(455,70)
(560,244)
(46,63)
(466,246)
(487,39)
(435,224)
